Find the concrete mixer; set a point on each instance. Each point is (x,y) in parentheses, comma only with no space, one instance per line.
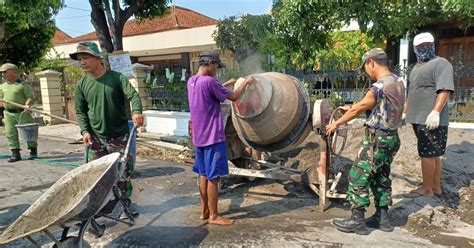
(274,115)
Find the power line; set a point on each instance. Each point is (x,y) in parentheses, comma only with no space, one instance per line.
(72,17)
(87,10)
(75,31)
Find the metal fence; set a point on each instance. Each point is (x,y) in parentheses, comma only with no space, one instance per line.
(168,99)
(34,82)
(35,85)
(461,105)
(347,85)
(342,83)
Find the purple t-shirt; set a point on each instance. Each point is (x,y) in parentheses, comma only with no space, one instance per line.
(205,94)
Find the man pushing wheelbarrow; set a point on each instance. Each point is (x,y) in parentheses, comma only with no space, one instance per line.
(101,110)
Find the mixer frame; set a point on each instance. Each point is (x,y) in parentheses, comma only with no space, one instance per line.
(334,145)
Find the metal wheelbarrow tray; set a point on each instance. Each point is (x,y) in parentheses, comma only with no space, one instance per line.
(76,197)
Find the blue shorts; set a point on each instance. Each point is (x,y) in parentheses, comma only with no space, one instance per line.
(211,161)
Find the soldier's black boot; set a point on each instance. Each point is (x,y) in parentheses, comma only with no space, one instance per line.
(353,224)
(33,153)
(380,220)
(16,156)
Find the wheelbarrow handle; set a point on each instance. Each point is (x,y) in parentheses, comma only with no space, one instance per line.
(131,139)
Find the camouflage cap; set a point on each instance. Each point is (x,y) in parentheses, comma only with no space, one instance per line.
(8,66)
(372,53)
(88,47)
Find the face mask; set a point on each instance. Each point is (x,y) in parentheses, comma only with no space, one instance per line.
(425,54)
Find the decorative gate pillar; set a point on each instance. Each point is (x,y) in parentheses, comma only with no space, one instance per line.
(51,95)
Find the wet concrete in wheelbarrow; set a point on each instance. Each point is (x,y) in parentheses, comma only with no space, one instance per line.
(267,213)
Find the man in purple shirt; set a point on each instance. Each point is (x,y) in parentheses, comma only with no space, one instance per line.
(205,94)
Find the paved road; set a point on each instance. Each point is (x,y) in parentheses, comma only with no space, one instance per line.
(267,213)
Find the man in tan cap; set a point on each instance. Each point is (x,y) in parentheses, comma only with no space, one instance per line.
(17,91)
(101,109)
(371,169)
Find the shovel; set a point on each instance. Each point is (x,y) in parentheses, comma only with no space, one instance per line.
(38,111)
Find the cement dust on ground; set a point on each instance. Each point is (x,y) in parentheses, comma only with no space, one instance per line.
(446,220)
(267,212)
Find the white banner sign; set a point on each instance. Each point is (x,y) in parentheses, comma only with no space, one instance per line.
(121,63)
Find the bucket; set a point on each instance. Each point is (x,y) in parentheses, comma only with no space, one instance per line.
(27,131)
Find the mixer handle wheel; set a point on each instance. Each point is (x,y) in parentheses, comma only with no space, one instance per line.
(338,138)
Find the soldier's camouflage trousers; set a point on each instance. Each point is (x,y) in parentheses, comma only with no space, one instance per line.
(101,147)
(371,169)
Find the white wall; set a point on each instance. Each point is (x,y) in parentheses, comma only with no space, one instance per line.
(167,122)
(63,50)
(171,39)
(168,42)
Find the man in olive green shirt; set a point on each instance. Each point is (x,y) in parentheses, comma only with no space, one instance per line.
(101,109)
(17,91)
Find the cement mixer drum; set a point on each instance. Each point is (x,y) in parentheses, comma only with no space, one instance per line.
(273,113)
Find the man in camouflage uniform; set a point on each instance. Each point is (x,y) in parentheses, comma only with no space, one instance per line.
(371,169)
(17,91)
(101,109)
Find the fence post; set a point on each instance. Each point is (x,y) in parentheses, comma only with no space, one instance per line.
(51,95)
(137,82)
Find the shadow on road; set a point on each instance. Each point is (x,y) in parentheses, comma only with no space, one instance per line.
(161,236)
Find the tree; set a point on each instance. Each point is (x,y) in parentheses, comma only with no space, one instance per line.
(305,25)
(109,17)
(251,39)
(27,29)
(344,49)
(244,35)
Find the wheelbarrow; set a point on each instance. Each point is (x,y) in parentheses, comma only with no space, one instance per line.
(76,198)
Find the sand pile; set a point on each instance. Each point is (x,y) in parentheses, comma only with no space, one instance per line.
(454,208)
(161,153)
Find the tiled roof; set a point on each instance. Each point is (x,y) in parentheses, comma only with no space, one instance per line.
(60,37)
(179,18)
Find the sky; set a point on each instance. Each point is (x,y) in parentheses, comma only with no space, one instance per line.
(74,19)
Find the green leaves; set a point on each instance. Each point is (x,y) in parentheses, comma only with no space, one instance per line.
(243,36)
(249,38)
(305,26)
(344,49)
(28,29)
(461,9)
(149,8)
